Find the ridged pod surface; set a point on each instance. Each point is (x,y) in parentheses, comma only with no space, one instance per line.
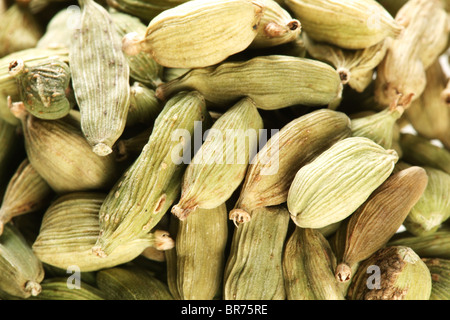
(440,276)
(144,9)
(60,288)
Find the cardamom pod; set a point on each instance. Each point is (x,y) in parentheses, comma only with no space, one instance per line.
(200,242)
(70,227)
(60,289)
(218,167)
(58,31)
(254,266)
(273,169)
(308,265)
(151,184)
(26,192)
(178,38)
(100,77)
(392,273)
(263,79)
(11,145)
(373,224)
(440,277)
(349,24)
(146,10)
(129,149)
(21,271)
(144,106)
(350,170)
(131,283)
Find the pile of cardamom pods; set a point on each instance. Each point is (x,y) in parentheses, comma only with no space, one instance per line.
(224,150)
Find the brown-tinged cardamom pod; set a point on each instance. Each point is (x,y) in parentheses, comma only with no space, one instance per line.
(273,169)
(21,272)
(349,24)
(355,67)
(373,224)
(308,265)
(350,170)
(100,77)
(58,151)
(43,87)
(421,151)
(178,38)
(440,277)
(131,283)
(402,71)
(254,267)
(26,192)
(146,10)
(200,243)
(263,79)
(152,183)
(70,227)
(218,167)
(391,273)
(144,106)
(60,288)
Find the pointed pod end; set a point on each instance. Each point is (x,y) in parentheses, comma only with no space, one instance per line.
(98,251)
(16,67)
(163,241)
(239,216)
(181,211)
(344,74)
(33,288)
(131,44)
(102,149)
(343,273)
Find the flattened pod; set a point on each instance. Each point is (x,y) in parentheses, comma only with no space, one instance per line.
(100,77)
(150,185)
(178,38)
(350,170)
(21,272)
(254,266)
(271,172)
(349,24)
(69,229)
(219,166)
(263,79)
(308,264)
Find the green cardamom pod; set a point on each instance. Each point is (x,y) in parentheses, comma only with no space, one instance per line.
(146,10)
(440,277)
(11,146)
(350,170)
(254,267)
(144,106)
(58,32)
(63,289)
(129,149)
(263,79)
(151,184)
(100,77)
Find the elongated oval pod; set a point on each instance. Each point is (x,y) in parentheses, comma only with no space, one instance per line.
(26,192)
(391,273)
(254,267)
(144,106)
(100,77)
(440,277)
(350,170)
(60,288)
(58,151)
(144,9)
(308,265)
(69,229)
(131,283)
(21,271)
(349,24)
(151,184)
(373,224)
(177,37)
(263,79)
(271,172)
(218,167)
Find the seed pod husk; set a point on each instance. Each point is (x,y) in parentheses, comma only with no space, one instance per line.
(142,66)
(26,192)
(144,106)
(21,271)
(254,267)
(144,9)
(421,151)
(58,151)
(184,27)
(373,224)
(350,170)
(276,26)
(129,149)
(353,24)
(440,277)
(69,229)
(9,140)
(218,167)
(151,184)
(271,172)
(402,275)
(263,79)
(43,87)
(131,283)
(200,243)
(355,67)
(100,77)
(308,264)
(58,32)
(61,288)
